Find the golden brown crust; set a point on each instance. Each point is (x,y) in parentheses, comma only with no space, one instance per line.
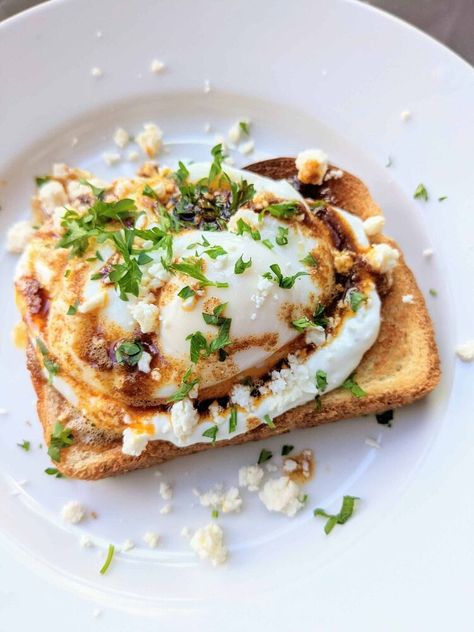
(390,372)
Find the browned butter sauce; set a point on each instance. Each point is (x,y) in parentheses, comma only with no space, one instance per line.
(300,467)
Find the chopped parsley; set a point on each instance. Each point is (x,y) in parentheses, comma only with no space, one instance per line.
(214,514)
(211,433)
(108,559)
(265,455)
(51,367)
(244,228)
(286,449)
(148,192)
(24,445)
(310,260)
(433,292)
(241,193)
(61,437)
(40,180)
(268,244)
(241,265)
(128,352)
(193,269)
(346,511)
(318,317)
(385,418)
(283,209)
(72,309)
(421,193)
(214,252)
(98,192)
(186,292)
(216,166)
(356,299)
(321,380)
(442,198)
(186,387)
(199,343)
(317,402)
(277,277)
(245,127)
(282,237)
(351,385)
(233,420)
(269,421)
(300,324)
(53,471)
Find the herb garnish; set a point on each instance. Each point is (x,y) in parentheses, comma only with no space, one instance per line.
(243,227)
(342,517)
(284,282)
(283,209)
(351,385)
(421,193)
(282,237)
(268,244)
(245,127)
(51,367)
(241,265)
(433,292)
(233,420)
(442,198)
(321,380)
(108,559)
(214,514)
(300,324)
(99,193)
(199,343)
(128,353)
(319,318)
(61,437)
(310,260)
(193,268)
(186,387)
(186,292)
(269,421)
(149,192)
(286,449)
(53,471)
(72,309)
(356,299)
(265,455)
(24,445)
(40,180)
(211,433)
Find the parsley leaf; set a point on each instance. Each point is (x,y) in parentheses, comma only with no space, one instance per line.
(214,252)
(51,367)
(182,173)
(310,260)
(421,193)
(186,387)
(346,511)
(241,193)
(284,282)
(61,437)
(265,455)
(351,385)
(52,471)
(72,309)
(40,180)
(214,514)
(233,420)
(198,343)
(24,445)
(321,380)
(128,353)
(282,237)
(193,269)
(216,167)
(243,227)
(268,244)
(211,433)
(149,192)
(108,559)
(356,299)
(286,449)
(283,209)
(300,324)
(442,198)
(269,421)
(245,127)
(98,192)
(318,317)
(186,292)
(241,265)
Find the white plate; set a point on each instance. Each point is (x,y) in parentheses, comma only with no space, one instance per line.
(330,74)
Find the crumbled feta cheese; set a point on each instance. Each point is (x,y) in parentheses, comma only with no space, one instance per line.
(111,158)
(408,298)
(156,66)
(150,139)
(184,418)
(372,442)
(92,303)
(155,277)
(133,443)
(250,476)
(144,362)
(312,165)
(466,351)
(235,133)
(427,253)
(405,115)
(226,501)
(146,315)
(333,174)
(208,543)
(282,494)
(18,236)
(247,148)
(156,375)
(240,395)
(207,86)
(133,155)
(374,225)
(271,467)
(151,539)
(72,512)
(76,190)
(60,170)
(52,194)
(96,72)
(166,509)
(315,335)
(166,491)
(128,545)
(121,137)
(290,465)
(85,541)
(253,316)
(382,257)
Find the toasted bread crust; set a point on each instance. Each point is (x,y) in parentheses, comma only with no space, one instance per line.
(390,373)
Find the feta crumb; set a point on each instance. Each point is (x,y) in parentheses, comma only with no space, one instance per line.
(151,539)
(253,316)
(149,139)
(466,351)
(166,491)
(270,467)
(312,165)
(133,443)
(240,395)
(374,225)
(111,158)
(166,509)
(226,501)
(96,72)
(333,174)
(18,236)
(92,303)
(156,66)
(207,86)
(208,544)
(290,465)
(405,115)
(121,137)
(382,257)
(315,335)
(247,148)
(146,315)
(281,494)
(133,155)
(72,512)
(128,545)
(184,418)
(52,194)
(85,541)
(427,253)
(144,362)
(372,442)
(250,476)
(408,298)
(185,532)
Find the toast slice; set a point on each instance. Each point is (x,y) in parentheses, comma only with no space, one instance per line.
(392,373)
